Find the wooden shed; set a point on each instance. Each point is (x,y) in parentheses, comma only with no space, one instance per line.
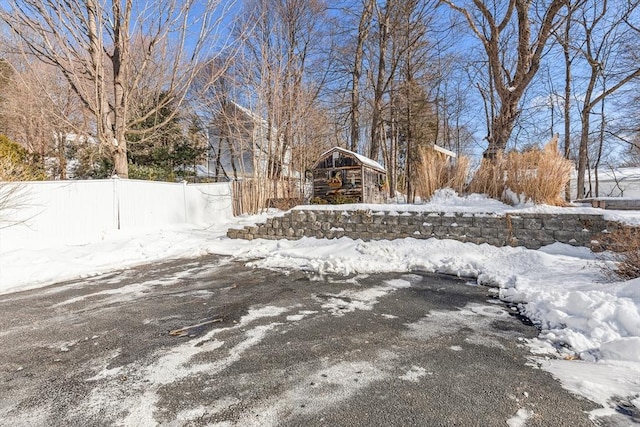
(342,176)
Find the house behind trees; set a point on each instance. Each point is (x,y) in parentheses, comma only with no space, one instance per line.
(242,145)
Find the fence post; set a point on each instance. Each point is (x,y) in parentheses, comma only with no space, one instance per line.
(116,201)
(184,199)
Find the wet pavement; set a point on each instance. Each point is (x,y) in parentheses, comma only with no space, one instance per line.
(211,342)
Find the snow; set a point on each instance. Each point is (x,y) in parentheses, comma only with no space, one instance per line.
(562,289)
(520,418)
(449,202)
(414,374)
(362,159)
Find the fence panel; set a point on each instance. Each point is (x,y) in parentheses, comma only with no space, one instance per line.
(59,207)
(73,208)
(254,196)
(209,203)
(147,204)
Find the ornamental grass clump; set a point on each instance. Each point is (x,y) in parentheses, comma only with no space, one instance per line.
(539,176)
(436,171)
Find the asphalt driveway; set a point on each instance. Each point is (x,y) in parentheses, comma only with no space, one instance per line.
(212,342)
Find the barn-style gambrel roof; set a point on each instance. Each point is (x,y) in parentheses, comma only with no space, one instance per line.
(365,161)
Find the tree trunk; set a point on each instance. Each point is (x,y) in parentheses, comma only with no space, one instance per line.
(377,126)
(567,98)
(363,33)
(582,156)
(501,127)
(600,147)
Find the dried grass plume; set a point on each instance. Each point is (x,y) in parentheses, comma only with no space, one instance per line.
(436,171)
(539,176)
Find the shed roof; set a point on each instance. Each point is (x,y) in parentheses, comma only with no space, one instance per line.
(362,159)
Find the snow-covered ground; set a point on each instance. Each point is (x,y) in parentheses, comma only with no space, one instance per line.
(590,326)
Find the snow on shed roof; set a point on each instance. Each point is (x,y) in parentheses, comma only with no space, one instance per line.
(362,159)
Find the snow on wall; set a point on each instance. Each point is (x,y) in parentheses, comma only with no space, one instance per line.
(531,230)
(62,208)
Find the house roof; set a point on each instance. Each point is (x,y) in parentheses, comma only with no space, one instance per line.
(362,159)
(444,151)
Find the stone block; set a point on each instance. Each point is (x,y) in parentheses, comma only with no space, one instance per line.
(298,216)
(532,223)
(482,221)
(571,225)
(408,229)
(425,229)
(440,231)
(564,236)
(515,222)
(590,217)
(391,220)
(473,232)
(355,219)
(464,221)
(535,235)
(447,221)
(494,241)
(552,223)
(504,232)
(374,228)
(489,232)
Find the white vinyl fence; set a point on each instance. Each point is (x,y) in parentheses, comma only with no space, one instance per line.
(621,182)
(82,207)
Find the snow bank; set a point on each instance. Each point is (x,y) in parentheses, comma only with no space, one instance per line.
(560,288)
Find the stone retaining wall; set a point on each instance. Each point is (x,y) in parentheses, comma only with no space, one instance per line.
(526,229)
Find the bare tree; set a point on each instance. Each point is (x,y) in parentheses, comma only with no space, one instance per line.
(105,50)
(500,28)
(364,27)
(282,71)
(610,59)
(40,120)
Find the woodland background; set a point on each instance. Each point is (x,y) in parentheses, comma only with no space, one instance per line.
(93,88)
